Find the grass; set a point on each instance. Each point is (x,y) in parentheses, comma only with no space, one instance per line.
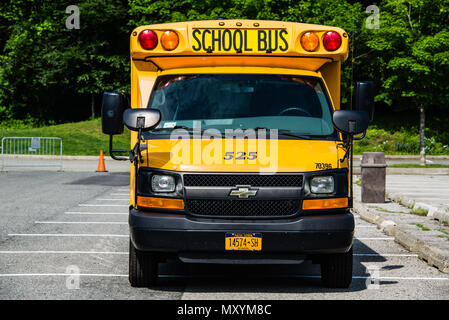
(78,138)
(385,210)
(419,211)
(446,232)
(422,227)
(415,165)
(398,133)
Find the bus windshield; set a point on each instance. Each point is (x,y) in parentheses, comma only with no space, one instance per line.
(295,105)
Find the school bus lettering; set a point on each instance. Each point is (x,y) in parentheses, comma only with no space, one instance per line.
(239,40)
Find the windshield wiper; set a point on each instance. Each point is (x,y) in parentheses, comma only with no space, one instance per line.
(177,127)
(284,132)
(288,133)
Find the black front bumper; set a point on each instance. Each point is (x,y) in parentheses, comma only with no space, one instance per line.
(180,234)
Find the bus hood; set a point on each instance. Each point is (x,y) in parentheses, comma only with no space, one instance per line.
(241,155)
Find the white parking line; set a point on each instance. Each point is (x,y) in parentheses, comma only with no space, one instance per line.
(61,252)
(103,205)
(119,194)
(308,277)
(61,275)
(112,213)
(126,252)
(203,276)
(66,235)
(116,235)
(404,278)
(112,199)
(376,238)
(385,255)
(80,222)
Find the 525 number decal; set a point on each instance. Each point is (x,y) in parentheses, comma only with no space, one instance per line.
(240,156)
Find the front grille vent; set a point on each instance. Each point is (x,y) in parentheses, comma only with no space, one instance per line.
(231,180)
(242,208)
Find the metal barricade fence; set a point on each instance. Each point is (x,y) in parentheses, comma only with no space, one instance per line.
(31,152)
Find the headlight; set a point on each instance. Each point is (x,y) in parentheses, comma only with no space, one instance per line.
(324,184)
(162,183)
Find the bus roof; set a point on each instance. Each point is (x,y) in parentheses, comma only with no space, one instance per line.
(238,43)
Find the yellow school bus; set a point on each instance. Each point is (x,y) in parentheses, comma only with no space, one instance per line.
(240,150)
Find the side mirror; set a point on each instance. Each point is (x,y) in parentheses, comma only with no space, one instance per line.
(364,97)
(141,119)
(350,122)
(112,109)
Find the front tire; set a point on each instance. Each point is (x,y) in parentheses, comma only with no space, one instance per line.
(336,270)
(142,268)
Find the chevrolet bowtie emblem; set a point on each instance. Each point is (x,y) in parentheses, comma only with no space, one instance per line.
(243,193)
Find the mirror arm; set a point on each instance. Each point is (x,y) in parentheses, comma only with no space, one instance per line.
(111,151)
(348,144)
(135,156)
(361,137)
(350,198)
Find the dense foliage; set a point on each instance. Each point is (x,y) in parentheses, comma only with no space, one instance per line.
(49,73)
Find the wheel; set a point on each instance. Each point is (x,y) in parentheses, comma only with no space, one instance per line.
(142,267)
(336,270)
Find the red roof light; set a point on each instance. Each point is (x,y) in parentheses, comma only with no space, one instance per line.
(148,39)
(331,40)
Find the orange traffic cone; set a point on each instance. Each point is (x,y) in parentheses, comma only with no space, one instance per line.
(101,167)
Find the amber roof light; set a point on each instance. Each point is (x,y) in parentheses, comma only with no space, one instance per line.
(310,41)
(169,40)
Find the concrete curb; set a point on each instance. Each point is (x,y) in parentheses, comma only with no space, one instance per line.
(413,171)
(433,255)
(433,212)
(406,157)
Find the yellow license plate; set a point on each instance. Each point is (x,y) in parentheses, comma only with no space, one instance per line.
(243,241)
(239,40)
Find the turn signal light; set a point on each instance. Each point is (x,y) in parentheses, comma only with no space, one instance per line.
(331,40)
(148,39)
(310,41)
(333,203)
(169,40)
(161,203)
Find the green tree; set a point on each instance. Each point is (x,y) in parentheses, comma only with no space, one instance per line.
(49,71)
(412,56)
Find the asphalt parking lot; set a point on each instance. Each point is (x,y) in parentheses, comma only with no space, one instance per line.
(56,225)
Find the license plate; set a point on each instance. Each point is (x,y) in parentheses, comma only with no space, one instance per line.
(243,241)
(239,40)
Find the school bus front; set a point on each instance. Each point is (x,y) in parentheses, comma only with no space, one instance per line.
(240,160)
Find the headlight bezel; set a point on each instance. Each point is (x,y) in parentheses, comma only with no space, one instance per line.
(318,184)
(155,183)
(144,187)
